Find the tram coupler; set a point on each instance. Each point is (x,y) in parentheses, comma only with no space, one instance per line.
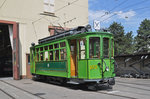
(108,81)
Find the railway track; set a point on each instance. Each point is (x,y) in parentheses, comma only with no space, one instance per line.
(39,97)
(126,85)
(106,93)
(147,85)
(109,93)
(134,87)
(7,94)
(121,96)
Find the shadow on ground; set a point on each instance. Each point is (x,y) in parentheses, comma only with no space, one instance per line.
(79,86)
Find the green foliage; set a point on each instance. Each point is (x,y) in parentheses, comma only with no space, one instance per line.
(129,45)
(123,43)
(142,40)
(126,44)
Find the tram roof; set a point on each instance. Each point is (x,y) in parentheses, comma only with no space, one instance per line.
(78,32)
(53,38)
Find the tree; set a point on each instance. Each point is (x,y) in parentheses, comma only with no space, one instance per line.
(129,45)
(142,39)
(119,38)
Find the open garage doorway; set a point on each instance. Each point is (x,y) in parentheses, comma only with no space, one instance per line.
(9,49)
(6,36)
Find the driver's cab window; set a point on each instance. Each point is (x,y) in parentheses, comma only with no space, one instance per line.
(106,47)
(94,47)
(112,48)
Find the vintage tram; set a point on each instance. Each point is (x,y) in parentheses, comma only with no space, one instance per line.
(77,55)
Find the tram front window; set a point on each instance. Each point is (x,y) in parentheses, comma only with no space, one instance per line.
(112,48)
(106,47)
(94,47)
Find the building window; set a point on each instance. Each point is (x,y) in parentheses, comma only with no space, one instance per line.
(49,6)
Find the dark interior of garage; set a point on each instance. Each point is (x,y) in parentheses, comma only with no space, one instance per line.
(5,52)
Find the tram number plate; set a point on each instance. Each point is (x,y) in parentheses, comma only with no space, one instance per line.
(93,67)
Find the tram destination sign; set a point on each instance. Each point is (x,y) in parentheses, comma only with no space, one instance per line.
(96,25)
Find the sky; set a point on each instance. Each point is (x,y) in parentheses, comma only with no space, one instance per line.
(129,13)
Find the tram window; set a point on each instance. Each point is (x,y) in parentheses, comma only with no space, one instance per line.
(94,47)
(50,47)
(82,49)
(57,55)
(41,56)
(56,45)
(106,47)
(72,48)
(32,55)
(37,50)
(46,56)
(37,57)
(112,48)
(62,44)
(51,55)
(63,54)
(41,48)
(46,48)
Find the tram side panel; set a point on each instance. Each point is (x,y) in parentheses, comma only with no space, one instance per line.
(49,68)
(52,68)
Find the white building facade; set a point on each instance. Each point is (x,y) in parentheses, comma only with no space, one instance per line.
(30,20)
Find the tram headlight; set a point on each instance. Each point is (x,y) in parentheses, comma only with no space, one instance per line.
(107,68)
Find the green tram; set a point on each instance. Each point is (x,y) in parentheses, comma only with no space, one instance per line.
(76,55)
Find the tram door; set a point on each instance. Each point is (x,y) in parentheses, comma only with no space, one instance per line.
(73,57)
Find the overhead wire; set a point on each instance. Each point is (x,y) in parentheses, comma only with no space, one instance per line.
(3,4)
(34,29)
(69,3)
(108,17)
(74,4)
(141,8)
(128,6)
(113,8)
(118,5)
(132,5)
(132,9)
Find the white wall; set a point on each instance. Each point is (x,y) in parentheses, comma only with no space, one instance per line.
(33,27)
